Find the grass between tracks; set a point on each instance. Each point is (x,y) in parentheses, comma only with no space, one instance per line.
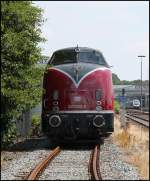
(134,140)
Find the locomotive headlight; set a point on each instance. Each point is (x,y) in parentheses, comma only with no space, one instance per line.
(55,95)
(98,94)
(98,121)
(54,121)
(98,108)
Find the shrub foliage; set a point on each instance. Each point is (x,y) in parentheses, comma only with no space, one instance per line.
(20,78)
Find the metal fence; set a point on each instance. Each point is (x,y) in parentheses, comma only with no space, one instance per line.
(23,123)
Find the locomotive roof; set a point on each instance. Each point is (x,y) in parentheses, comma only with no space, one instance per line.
(80,49)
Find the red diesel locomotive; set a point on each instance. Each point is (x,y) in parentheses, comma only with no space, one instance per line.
(77,101)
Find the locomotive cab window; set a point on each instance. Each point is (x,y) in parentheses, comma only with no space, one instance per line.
(63,57)
(71,56)
(91,57)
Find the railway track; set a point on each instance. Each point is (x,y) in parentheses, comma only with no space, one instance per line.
(93,167)
(42,165)
(138,116)
(135,111)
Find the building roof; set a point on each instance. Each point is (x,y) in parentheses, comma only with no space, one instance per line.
(130,87)
(122,86)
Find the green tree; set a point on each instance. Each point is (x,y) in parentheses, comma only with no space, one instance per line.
(126,82)
(117,107)
(20,78)
(116,80)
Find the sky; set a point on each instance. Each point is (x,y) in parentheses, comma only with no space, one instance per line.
(119,29)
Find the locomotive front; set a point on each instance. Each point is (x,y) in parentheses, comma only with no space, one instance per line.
(78,96)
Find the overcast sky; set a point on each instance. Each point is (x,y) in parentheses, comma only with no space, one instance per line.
(120,30)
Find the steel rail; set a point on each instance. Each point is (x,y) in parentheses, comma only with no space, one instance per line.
(94,169)
(139,117)
(137,111)
(90,170)
(41,166)
(138,120)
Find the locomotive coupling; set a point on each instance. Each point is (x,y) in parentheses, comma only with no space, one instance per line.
(55,121)
(98,121)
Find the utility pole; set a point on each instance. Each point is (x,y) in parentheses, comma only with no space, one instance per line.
(141,56)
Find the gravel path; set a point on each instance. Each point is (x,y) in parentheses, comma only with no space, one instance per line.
(70,165)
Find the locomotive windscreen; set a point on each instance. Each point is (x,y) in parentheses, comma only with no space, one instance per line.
(71,56)
(63,57)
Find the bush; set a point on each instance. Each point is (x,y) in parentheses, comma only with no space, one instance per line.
(20,53)
(9,137)
(35,125)
(117,107)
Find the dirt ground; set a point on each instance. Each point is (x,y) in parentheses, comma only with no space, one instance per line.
(134,141)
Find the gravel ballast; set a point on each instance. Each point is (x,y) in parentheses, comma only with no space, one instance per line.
(112,165)
(71,165)
(20,167)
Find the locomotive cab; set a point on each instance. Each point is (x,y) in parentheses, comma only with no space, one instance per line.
(77,99)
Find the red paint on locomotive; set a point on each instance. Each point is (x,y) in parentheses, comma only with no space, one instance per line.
(68,91)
